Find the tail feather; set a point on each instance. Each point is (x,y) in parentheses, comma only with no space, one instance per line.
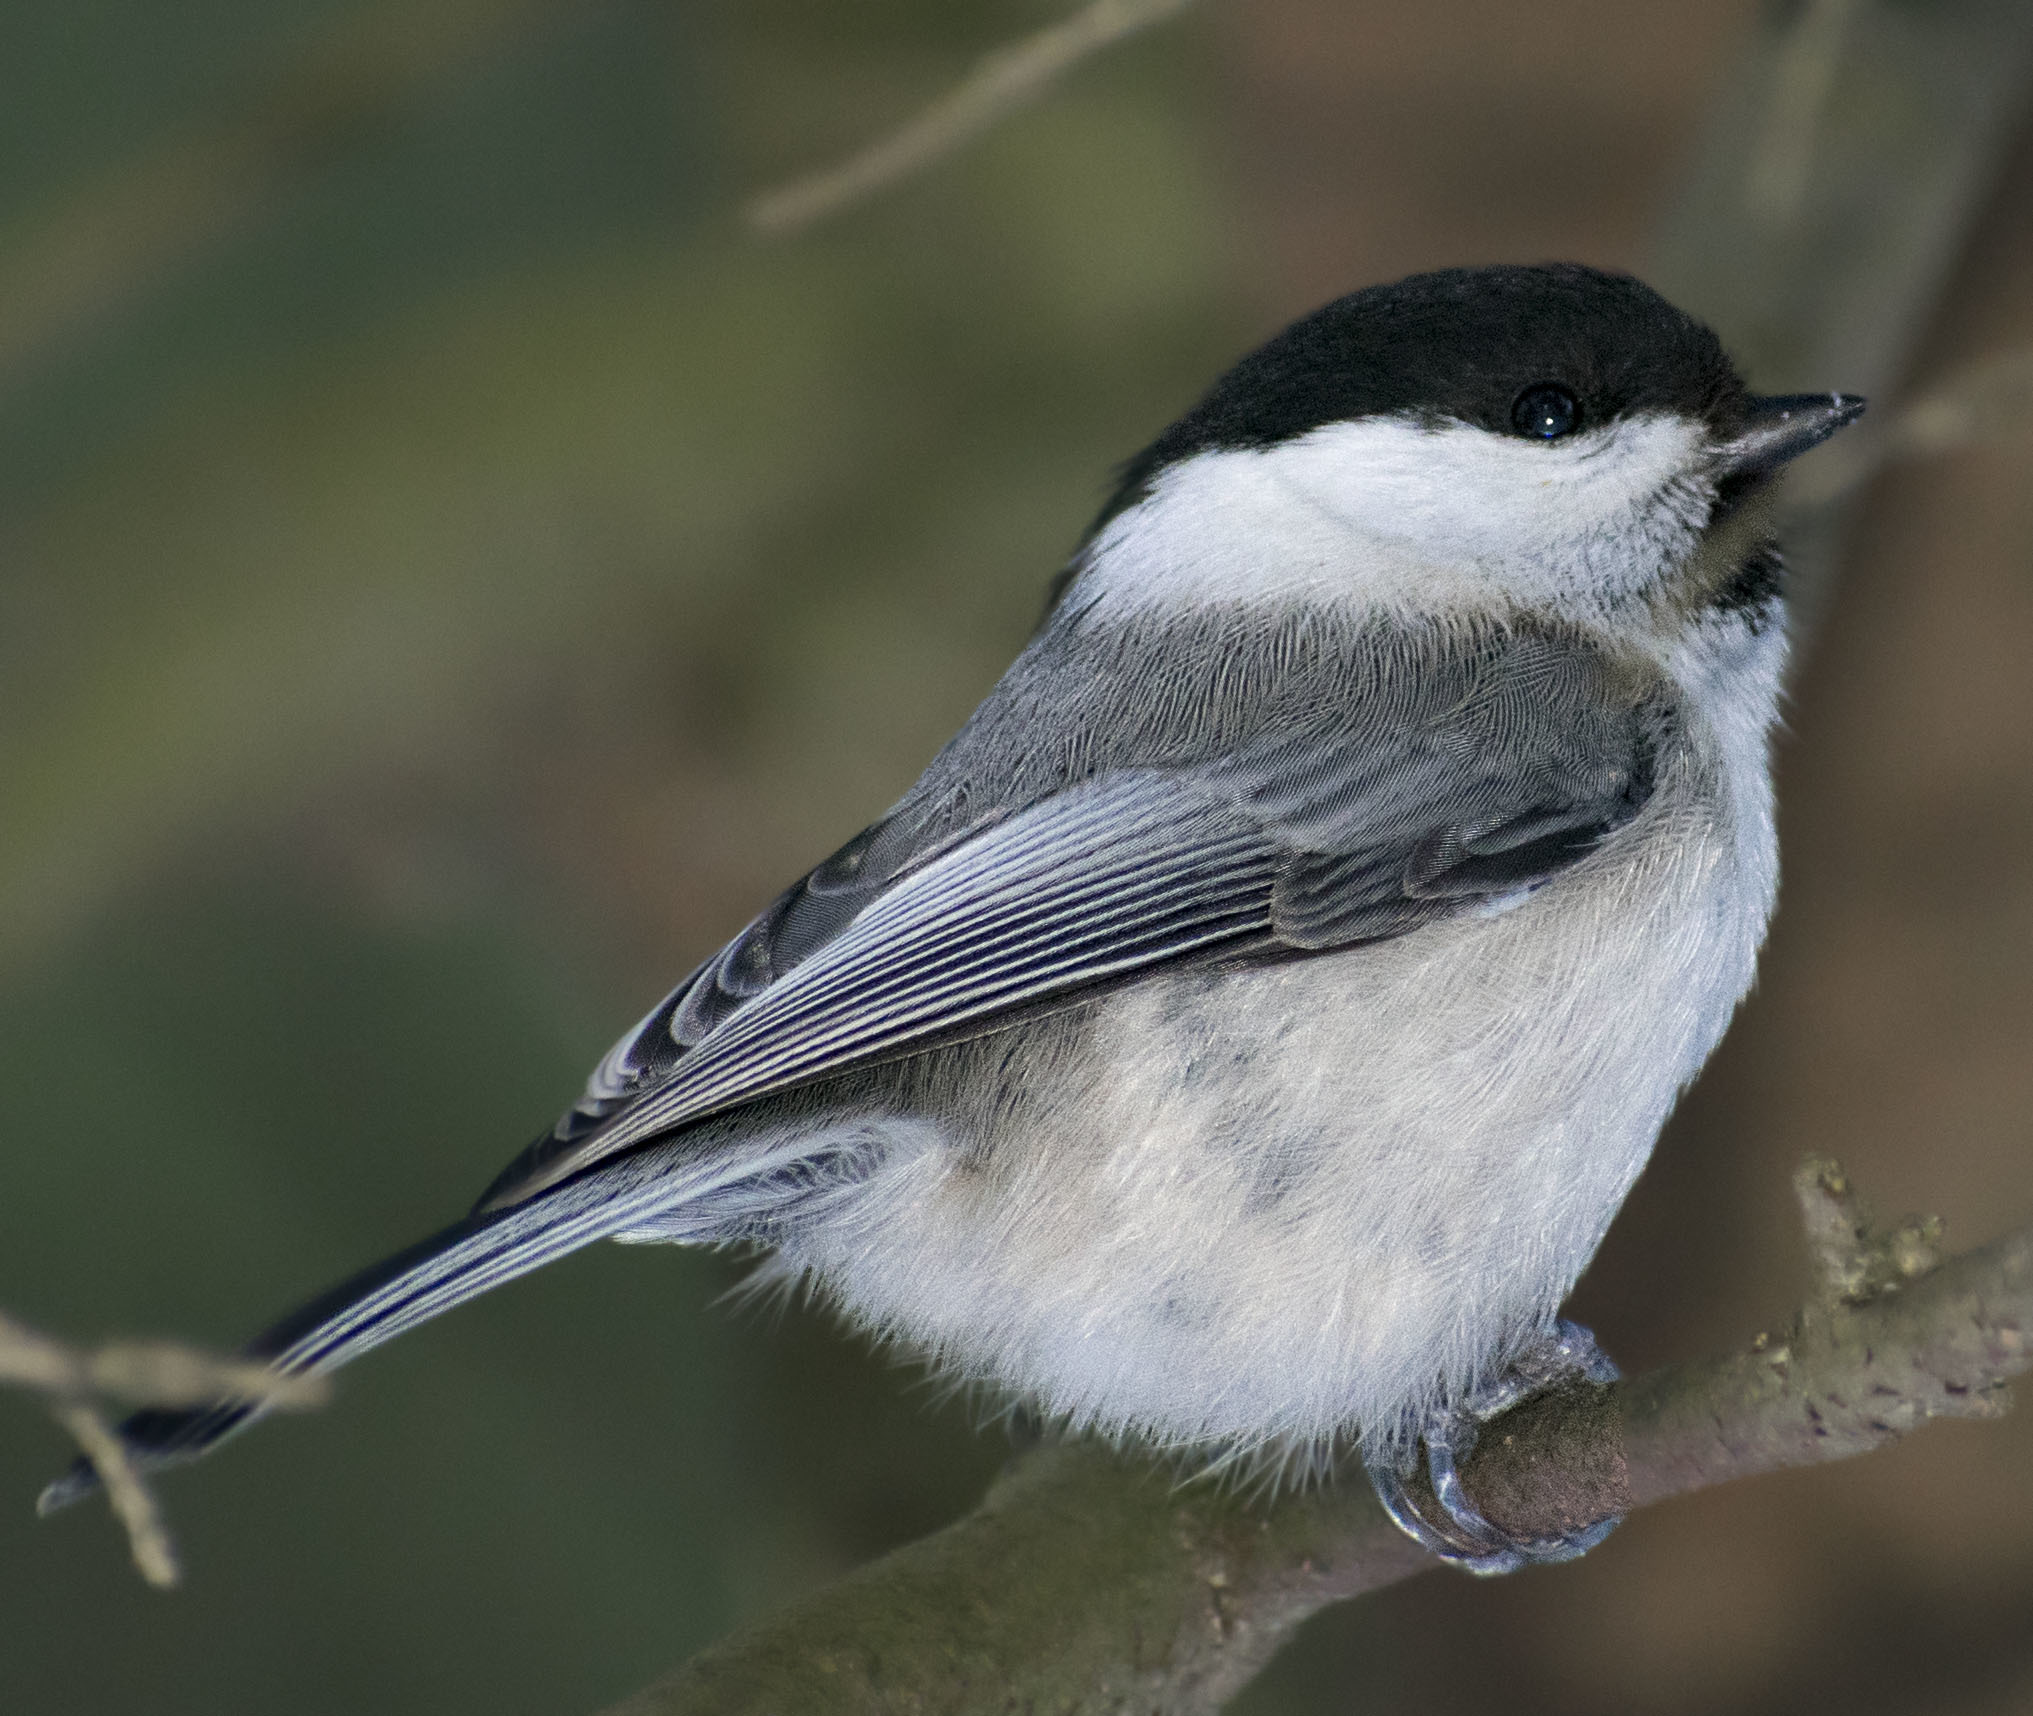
(419,1282)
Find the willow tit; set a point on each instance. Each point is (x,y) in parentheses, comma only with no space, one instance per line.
(1241,1036)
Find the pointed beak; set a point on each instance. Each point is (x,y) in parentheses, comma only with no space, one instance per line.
(1778,427)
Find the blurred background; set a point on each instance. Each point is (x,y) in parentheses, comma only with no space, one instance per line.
(451,574)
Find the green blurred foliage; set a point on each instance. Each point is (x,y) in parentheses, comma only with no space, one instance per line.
(435,608)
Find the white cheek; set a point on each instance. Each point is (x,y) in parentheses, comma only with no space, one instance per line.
(1461,491)
(1391,513)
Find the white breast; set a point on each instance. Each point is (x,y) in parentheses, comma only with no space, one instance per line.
(1269,1209)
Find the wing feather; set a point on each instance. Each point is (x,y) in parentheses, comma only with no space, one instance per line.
(1368,819)
(1107,878)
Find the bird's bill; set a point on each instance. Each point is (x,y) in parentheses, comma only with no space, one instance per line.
(1779,427)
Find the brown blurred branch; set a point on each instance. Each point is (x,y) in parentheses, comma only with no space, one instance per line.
(1803,80)
(152,1373)
(1988,401)
(1847,152)
(1003,82)
(1085,1584)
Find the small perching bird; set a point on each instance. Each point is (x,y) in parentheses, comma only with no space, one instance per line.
(1240,1038)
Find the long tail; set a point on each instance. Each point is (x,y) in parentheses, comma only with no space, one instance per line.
(453,1265)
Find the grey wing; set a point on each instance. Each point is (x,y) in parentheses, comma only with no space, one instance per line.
(1094,883)
(1355,826)
(1486,776)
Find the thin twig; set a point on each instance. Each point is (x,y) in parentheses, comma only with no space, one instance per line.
(132,1501)
(151,1373)
(155,1373)
(1005,80)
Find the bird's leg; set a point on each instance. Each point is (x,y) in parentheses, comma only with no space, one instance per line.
(1465,1538)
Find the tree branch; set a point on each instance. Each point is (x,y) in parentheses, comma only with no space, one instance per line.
(1987,401)
(1004,81)
(1847,151)
(1086,1583)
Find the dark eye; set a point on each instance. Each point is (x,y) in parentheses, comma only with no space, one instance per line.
(1546,412)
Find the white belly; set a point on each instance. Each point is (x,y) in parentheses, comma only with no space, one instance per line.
(1280,1206)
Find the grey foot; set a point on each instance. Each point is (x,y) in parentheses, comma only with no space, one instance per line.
(1466,1539)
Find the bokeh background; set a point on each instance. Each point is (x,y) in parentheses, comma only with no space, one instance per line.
(451,574)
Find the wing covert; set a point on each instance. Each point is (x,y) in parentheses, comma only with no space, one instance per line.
(1473,778)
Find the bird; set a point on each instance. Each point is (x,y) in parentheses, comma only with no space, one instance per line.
(1240,1038)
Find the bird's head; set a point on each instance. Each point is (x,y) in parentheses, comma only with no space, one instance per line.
(1547,440)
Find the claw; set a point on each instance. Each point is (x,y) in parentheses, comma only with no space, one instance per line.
(1389,1484)
(1473,1542)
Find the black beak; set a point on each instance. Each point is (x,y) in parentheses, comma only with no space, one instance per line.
(1782,426)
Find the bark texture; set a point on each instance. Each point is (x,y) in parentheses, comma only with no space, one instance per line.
(1087,1582)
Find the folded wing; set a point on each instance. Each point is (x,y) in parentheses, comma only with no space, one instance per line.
(1359,826)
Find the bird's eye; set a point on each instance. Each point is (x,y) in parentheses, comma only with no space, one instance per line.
(1546,412)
